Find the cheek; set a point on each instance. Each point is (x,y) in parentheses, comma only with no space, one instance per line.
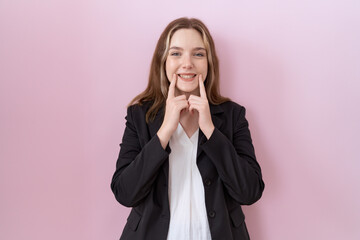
(168,69)
(204,69)
(169,65)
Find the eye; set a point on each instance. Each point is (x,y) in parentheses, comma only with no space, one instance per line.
(199,54)
(175,54)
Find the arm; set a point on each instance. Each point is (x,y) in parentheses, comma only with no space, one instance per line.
(136,167)
(236,162)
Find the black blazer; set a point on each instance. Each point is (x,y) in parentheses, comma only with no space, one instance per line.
(231,175)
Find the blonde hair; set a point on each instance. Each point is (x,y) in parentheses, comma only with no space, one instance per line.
(158,84)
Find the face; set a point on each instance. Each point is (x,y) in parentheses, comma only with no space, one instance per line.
(187,59)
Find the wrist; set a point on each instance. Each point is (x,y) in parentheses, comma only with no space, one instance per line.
(163,136)
(209,131)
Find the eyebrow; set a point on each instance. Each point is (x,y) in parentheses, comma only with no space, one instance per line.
(195,49)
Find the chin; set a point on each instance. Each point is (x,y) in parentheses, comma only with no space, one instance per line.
(187,89)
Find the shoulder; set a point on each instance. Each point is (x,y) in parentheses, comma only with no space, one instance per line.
(137,111)
(229,107)
(234,115)
(139,108)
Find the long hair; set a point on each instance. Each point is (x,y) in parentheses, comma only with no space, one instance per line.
(158,85)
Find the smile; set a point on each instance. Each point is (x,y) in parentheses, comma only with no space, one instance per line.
(187,77)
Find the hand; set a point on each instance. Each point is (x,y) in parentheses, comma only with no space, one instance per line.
(201,104)
(174,106)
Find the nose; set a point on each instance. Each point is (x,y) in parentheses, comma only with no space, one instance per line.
(187,61)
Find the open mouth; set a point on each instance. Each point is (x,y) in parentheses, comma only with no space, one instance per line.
(187,77)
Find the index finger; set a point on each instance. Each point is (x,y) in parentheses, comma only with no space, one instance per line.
(202,87)
(171,92)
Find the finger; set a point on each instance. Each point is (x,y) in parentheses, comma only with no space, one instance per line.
(193,107)
(197,101)
(171,93)
(183,105)
(194,98)
(202,87)
(180,97)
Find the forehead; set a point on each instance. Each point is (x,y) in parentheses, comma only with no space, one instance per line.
(186,38)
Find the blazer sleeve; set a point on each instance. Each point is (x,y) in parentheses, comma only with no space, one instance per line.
(137,166)
(235,161)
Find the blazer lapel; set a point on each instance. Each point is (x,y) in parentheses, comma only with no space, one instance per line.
(155,125)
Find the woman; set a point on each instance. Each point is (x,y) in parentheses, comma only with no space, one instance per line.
(186,161)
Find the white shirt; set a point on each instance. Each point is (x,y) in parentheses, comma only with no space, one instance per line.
(188,218)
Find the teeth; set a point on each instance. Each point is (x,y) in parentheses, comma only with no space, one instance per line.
(187,76)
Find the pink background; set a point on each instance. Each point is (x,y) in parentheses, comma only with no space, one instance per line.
(69,68)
